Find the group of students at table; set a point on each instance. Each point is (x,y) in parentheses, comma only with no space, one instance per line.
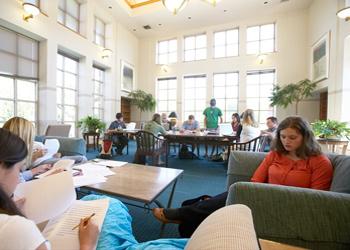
(295,159)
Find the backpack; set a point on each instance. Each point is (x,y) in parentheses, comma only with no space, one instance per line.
(184,153)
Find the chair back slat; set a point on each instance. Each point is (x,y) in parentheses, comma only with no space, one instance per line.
(257,144)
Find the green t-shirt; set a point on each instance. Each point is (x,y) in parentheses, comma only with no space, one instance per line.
(154,128)
(212,115)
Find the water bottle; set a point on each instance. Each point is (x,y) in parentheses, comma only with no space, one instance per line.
(173,128)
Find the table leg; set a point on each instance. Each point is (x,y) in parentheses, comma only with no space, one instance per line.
(170,200)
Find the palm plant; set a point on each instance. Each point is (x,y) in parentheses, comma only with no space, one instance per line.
(330,128)
(292,93)
(142,100)
(91,124)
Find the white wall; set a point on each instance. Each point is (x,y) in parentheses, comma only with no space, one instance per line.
(54,36)
(323,19)
(290,60)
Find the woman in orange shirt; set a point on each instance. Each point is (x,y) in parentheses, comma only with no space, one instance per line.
(295,160)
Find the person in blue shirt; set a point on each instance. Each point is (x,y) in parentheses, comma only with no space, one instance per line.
(119,140)
(191,124)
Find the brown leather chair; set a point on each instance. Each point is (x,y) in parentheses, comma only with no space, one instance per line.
(152,146)
(58,130)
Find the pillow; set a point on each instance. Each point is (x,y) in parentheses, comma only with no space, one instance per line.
(341,174)
(230,227)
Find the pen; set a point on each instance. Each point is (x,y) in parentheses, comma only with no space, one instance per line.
(85,220)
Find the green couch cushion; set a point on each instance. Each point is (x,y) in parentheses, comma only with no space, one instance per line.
(341,174)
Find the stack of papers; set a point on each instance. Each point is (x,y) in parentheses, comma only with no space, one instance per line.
(110,164)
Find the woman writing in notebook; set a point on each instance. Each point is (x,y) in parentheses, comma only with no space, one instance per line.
(116,230)
(295,160)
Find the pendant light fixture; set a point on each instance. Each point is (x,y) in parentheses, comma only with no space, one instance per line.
(175,6)
(345,12)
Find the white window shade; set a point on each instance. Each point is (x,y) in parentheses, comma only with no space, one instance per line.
(8,41)
(8,68)
(27,48)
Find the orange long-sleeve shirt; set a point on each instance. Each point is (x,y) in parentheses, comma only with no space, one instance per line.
(314,172)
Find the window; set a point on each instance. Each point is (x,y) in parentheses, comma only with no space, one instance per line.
(100,32)
(68,14)
(167,52)
(259,89)
(98,80)
(67,79)
(18,76)
(166,95)
(195,47)
(195,91)
(226,93)
(226,43)
(261,39)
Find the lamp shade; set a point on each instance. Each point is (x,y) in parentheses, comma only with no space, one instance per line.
(175,5)
(212,2)
(106,53)
(345,12)
(30,7)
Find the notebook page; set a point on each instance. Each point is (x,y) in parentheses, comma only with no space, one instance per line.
(59,230)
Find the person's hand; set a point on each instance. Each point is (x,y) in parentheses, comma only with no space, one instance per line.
(38,153)
(41,169)
(88,234)
(56,171)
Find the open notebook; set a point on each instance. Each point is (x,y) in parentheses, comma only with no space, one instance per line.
(53,198)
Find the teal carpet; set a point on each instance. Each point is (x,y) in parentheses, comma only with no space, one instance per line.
(199,177)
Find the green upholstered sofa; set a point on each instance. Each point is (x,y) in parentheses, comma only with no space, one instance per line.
(298,216)
(68,146)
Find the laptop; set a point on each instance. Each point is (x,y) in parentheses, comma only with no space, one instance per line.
(225,128)
(131,126)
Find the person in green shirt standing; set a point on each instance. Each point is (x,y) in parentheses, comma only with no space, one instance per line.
(212,115)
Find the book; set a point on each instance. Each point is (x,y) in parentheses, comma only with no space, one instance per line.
(51,145)
(53,199)
(64,164)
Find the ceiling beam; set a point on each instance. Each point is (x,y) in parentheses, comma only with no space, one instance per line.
(136,5)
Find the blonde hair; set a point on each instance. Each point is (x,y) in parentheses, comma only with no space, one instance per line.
(25,130)
(248,118)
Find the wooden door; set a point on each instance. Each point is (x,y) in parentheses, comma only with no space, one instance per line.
(125,109)
(323,105)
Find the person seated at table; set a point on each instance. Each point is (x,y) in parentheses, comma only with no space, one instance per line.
(236,126)
(154,126)
(116,232)
(295,159)
(270,132)
(119,140)
(250,127)
(25,130)
(165,122)
(172,120)
(191,124)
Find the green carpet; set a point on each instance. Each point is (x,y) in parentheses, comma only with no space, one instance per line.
(199,177)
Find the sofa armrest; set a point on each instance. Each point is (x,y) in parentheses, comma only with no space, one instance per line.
(242,165)
(282,212)
(70,146)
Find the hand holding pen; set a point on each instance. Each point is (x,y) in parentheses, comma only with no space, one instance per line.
(88,233)
(84,221)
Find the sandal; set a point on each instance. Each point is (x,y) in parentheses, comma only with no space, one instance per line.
(159,214)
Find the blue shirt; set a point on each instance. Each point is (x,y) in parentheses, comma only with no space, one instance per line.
(187,126)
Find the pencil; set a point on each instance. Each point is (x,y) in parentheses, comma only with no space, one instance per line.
(85,220)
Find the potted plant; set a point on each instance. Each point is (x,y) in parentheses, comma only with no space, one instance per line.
(143,101)
(330,129)
(90,124)
(293,92)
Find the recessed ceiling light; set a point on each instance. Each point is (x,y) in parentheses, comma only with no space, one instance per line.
(266,2)
(159,24)
(225,10)
(109,7)
(189,17)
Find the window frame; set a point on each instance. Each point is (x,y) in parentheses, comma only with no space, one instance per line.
(257,111)
(226,44)
(76,90)
(65,14)
(98,34)
(168,51)
(100,96)
(224,111)
(167,89)
(195,47)
(260,40)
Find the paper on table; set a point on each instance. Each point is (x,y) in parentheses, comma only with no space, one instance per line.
(59,231)
(64,164)
(52,146)
(44,198)
(111,163)
(94,169)
(85,180)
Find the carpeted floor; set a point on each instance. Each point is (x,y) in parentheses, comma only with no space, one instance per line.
(199,177)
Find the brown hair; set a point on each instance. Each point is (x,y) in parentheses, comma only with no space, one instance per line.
(156,118)
(249,119)
(308,148)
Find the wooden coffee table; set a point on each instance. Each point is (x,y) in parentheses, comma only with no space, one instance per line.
(139,183)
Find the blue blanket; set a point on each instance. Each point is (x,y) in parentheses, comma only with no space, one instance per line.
(116,232)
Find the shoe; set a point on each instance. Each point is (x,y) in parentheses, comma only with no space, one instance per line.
(159,214)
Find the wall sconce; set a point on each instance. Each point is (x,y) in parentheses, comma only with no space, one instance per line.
(31,9)
(345,12)
(106,53)
(164,68)
(261,58)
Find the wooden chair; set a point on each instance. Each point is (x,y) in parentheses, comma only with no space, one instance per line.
(257,144)
(150,145)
